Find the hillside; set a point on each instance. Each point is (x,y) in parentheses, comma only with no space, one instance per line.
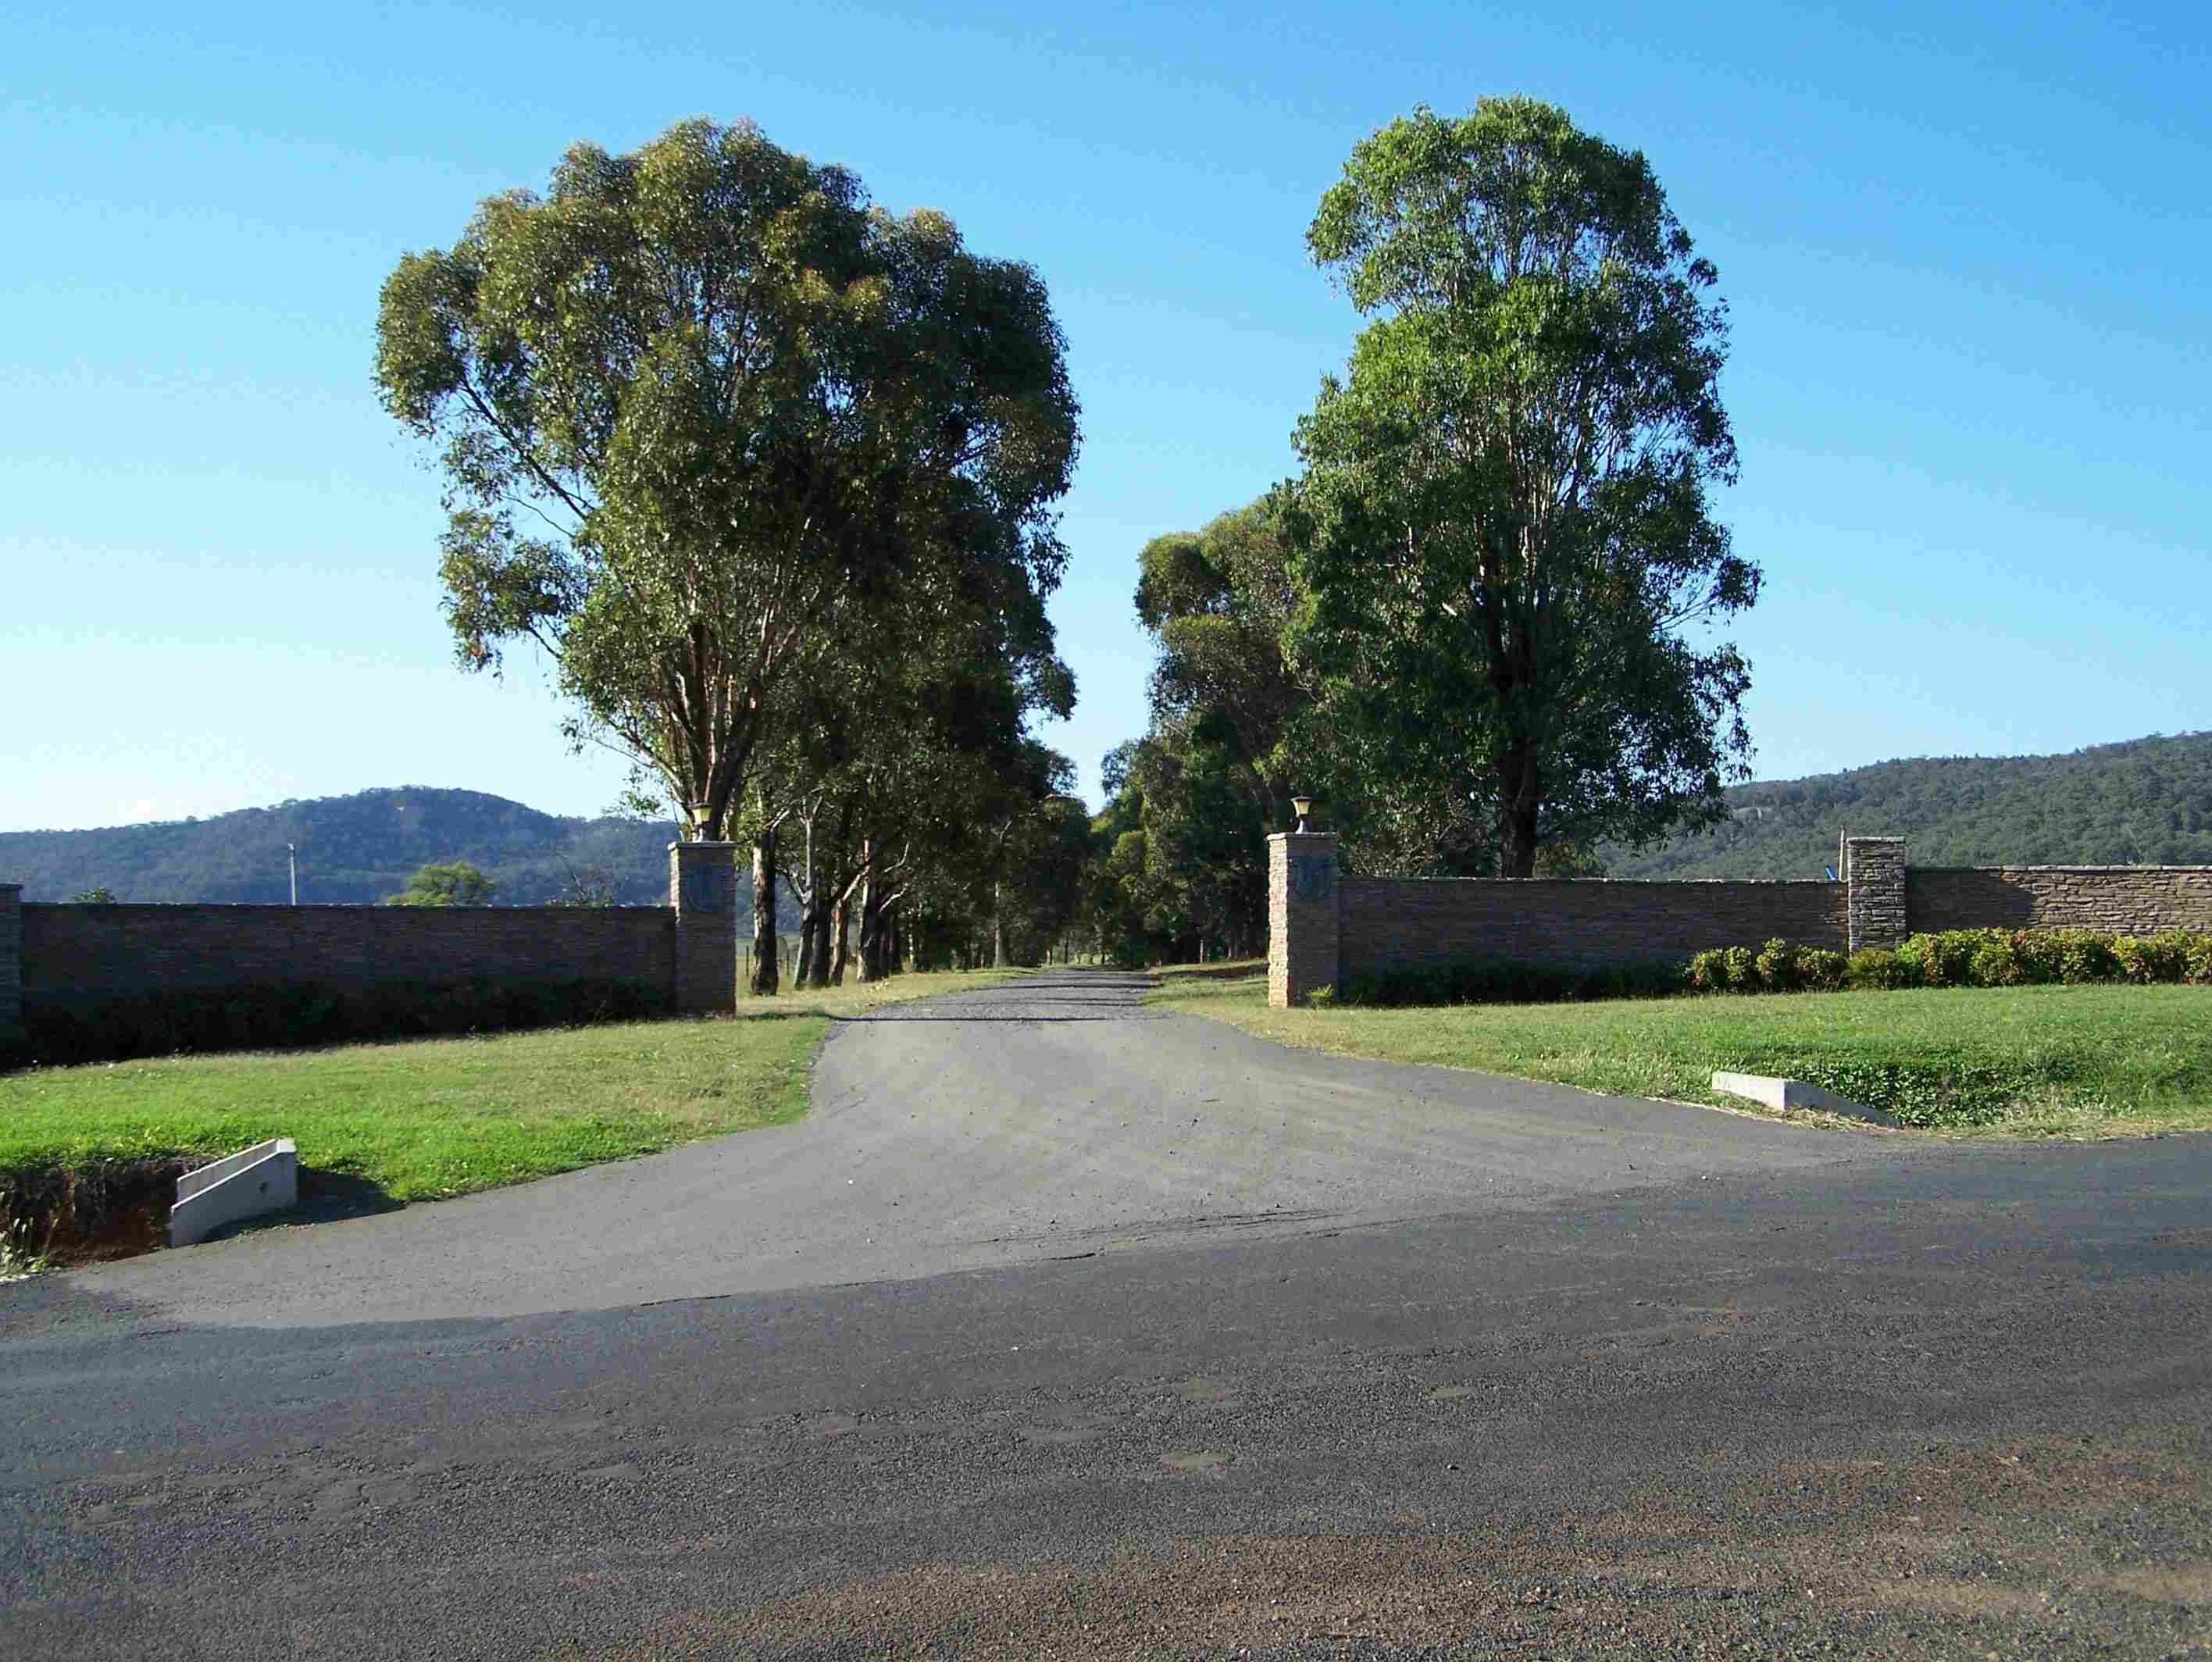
(352,849)
(2146,802)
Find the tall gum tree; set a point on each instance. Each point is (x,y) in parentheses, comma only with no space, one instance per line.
(693,402)
(1505,535)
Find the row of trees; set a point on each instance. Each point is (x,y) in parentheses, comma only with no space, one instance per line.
(767,475)
(1478,625)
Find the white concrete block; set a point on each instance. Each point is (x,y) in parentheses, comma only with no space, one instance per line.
(1793,1094)
(265,1177)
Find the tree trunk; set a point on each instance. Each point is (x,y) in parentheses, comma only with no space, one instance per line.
(871,919)
(998,930)
(766,951)
(1520,798)
(841,923)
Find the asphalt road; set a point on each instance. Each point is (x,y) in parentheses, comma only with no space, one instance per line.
(1364,1362)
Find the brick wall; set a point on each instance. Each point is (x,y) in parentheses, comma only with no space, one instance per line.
(2125,900)
(1394,922)
(78,954)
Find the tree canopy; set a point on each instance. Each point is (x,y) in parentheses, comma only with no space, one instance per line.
(1505,531)
(446,883)
(701,406)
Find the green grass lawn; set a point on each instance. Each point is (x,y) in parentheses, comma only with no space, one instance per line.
(435,1117)
(2067,1061)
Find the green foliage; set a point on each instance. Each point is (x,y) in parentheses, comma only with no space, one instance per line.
(452,882)
(1504,525)
(2147,801)
(700,409)
(1954,958)
(1776,967)
(1946,959)
(1822,970)
(297,1015)
(99,895)
(1877,969)
(1935,1090)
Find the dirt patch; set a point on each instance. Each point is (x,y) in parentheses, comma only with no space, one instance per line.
(105,1208)
(113,1208)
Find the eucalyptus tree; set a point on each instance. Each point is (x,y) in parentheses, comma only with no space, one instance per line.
(694,401)
(1506,529)
(1216,603)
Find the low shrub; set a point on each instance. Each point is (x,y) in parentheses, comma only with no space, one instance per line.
(1879,969)
(1708,971)
(1822,970)
(1953,957)
(2160,958)
(296,1015)
(1945,959)
(1777,967)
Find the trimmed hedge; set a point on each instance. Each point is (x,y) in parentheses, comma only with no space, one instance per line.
(301,1014)
(1954,957)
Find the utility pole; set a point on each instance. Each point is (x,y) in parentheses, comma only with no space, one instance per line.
(293,850)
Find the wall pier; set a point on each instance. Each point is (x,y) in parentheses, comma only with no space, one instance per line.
(702,888)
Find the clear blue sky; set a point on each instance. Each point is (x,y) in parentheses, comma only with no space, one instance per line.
(1966,250)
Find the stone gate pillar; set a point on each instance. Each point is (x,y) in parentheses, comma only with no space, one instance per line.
(1874,890)
(1303,926)
(702,888)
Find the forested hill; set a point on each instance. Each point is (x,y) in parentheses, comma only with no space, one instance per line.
(356,848)
(2145,802)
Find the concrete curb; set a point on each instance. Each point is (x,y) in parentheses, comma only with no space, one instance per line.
(1786,1093)
(265,1177)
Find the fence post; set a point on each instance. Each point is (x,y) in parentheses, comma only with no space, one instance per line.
(11,957)
(702,885)
(1874,880)
(1303,926)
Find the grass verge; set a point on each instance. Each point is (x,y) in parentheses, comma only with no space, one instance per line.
(426,1118)
(2074,1062)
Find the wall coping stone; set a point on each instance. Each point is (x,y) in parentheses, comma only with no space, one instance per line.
(2204,871)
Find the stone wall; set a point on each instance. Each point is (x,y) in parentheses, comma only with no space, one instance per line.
(76,955)
(1874,877)
(1412,923)
(2124,900)
(79,956)
(11,955)
(1323,926)
(1303,910)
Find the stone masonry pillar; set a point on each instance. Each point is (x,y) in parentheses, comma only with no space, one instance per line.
(11,957)
(702,888)
(1873,884)
(1303,926)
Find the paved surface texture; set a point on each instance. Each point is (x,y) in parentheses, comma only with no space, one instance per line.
(1788,1394)
(1034,1120)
